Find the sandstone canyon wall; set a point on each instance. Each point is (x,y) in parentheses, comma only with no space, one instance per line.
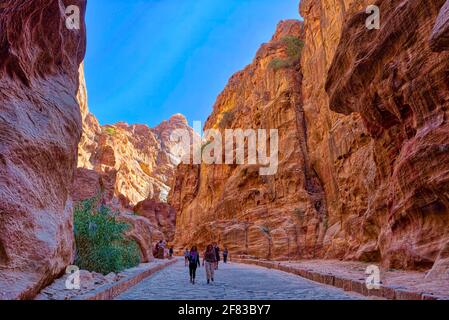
(364,173)
(379,143)
(339,146)
(40,127)
(402,94)
(257,215)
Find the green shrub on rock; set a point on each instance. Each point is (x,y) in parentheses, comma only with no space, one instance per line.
(278,63)
(294,46)
(101,245)
(111,131)
(293,49)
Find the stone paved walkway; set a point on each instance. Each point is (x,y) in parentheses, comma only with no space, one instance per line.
(232,282)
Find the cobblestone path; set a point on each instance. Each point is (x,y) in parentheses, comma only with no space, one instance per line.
(232,282)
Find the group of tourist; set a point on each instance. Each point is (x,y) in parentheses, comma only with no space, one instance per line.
(211,259)
(162,250)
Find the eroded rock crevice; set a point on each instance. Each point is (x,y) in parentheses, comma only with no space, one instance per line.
(396,85)
(40,126)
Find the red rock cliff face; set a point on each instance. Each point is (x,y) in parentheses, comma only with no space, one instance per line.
(379,144)
(131,166)
(339,146)
(265,216)
(402,94)
(367,170)
(439,40)
(142,159)
(40,127)
(162,218)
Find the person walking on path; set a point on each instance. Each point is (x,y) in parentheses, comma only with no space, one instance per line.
(225,255)
(186,257)
(156,250)
(170,252)
(194,262)
(209,261)
(217,255)
(161,254)
(160,250)
(164,246)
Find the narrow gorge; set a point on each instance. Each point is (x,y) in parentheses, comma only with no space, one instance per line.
(263,216)
(363,140)
(363,172)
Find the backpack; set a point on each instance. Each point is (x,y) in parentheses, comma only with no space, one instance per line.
(193,258)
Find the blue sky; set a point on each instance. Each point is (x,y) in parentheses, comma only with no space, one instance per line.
(149,59)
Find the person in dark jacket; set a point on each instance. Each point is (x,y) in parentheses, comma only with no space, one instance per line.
(156,250)
(225,255)
(217,255)
(194,262)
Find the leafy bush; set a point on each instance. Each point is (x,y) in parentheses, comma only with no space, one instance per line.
(294,48)
(110,131)
(278,63)
(100,240)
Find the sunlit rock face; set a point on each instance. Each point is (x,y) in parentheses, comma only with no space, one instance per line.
(130,167)
(338,145)
(143,158)
(379,144)
(40,127)
(265,216)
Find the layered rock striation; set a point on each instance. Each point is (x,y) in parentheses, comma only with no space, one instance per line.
(379,143)
(267,216)
(363,171)
(398,86)
(40,127)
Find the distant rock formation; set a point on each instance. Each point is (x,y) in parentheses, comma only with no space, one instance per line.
(130,166)
(363,146)
(143,159)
